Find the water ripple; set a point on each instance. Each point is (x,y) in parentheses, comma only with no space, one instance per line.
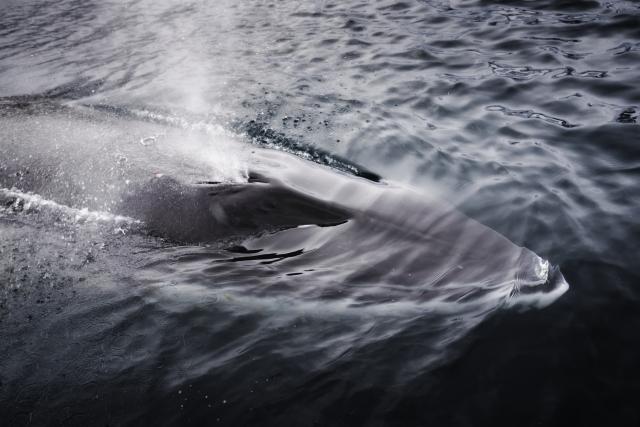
(528,114)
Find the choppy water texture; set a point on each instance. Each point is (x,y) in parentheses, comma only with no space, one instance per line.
(521,115)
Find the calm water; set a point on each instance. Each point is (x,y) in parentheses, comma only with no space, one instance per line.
(522,115)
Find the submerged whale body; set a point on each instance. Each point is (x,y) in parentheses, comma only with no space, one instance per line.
(388,242)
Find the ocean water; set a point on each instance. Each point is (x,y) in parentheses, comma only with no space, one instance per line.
(422,213)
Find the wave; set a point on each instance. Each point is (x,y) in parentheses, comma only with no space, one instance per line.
(14,202)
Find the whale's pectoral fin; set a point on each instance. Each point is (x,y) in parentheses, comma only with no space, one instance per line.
(206,212)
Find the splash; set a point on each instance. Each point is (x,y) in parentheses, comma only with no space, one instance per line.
(14,201)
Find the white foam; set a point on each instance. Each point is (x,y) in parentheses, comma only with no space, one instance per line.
(15,200)
(543,297)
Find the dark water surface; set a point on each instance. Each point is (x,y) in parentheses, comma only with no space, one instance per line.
(522,115)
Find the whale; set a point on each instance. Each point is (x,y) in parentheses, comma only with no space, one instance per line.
(198,183)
